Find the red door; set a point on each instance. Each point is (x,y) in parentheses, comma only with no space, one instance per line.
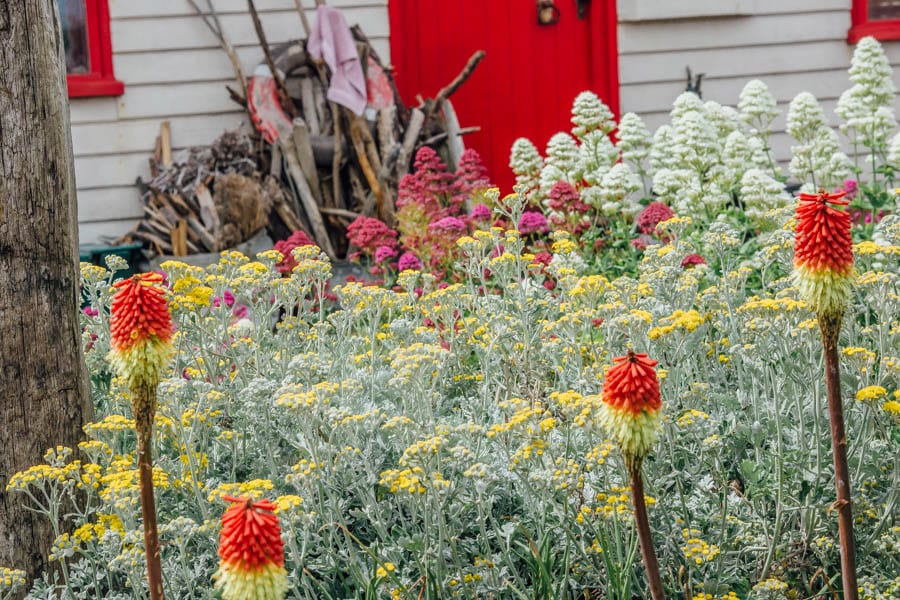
(531,74)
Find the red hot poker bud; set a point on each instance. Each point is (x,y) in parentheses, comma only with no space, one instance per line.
(631,403)
(251,552)
(823,252)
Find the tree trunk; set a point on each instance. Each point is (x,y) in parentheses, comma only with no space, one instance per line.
(44,393)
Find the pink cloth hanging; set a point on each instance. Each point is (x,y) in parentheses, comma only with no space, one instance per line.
(332,41)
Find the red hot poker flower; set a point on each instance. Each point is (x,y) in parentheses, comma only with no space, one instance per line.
(139,311)
(251,552)
(140,330)
(632,385)
(631,405)
(823,252)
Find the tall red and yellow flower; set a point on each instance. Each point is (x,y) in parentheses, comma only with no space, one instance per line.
(823,252)
(140,330)
(631,405)
(251,552)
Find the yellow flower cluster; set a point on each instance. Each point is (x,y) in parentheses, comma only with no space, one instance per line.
(287,502)
(726,596)
(120,483)
(527,418)
(691,416)
(871,393)
(685,320)
(404,480)
(382,571)
(698,551)
(574,407)
(294,397)
(422,449)
(11,579)
(771,585)
(774,305)
(305,469)
(254,489)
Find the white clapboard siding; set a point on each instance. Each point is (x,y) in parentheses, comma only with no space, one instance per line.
(791,45)
(104,231)
(174,69)
(690,34)
(142,35)
(103,139)
(130,9)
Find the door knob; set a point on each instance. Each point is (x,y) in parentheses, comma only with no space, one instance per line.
(581,7)
(547,12)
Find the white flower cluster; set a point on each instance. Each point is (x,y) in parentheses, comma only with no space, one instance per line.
(867,107)
(817,159)
(698,161)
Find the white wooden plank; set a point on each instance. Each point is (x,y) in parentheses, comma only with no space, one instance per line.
(129,9)
(103,232)
(140,35)
(111,171)
(140,135)
(185,65)
(658,96)
(748,62)
(770,7)
(172,99)
(109,204)
(207,65)
(92,110)
(654,10)
(726,34)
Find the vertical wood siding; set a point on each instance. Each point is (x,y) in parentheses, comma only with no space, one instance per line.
(173,69)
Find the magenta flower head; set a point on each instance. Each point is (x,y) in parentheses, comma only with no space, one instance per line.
(692,260)
(384,253)
(533,222)
(480,212)
(652,215)
(448,226)
(409,261)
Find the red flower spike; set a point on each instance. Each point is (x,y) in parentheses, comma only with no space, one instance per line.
(139,311)
(823,233)
(140,333)
(631,403)
(823,252)
(251,552)
(632,384)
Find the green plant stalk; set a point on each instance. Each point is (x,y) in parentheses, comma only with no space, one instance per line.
(144,402)
(830,326)
(643,529)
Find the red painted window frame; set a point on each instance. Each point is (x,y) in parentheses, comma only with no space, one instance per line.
(861,25)
(100,81)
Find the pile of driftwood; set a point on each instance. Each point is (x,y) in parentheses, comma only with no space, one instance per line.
(308,163)
(208,198)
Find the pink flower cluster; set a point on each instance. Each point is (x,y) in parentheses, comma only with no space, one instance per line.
(652,215)
(431,213)
(569,212)
(371,237)
(296,240)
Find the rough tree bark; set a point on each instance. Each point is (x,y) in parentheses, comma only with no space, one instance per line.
(44,394)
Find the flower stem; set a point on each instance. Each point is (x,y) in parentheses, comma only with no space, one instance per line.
(643,528)
(144,403)
(830,326)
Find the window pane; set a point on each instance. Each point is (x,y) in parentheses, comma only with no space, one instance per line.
(884,9)
(73,19)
